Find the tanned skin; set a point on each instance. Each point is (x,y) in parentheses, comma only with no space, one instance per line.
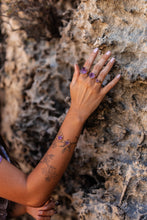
(86,95)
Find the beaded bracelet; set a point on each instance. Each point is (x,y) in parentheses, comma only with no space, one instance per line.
(1,158)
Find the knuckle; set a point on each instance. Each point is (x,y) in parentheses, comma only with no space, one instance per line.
(88,83)
(80,78)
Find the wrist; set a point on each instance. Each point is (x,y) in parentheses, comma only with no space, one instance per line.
(76,116)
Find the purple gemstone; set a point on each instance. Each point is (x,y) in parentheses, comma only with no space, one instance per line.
(83,70)
(67,142)
(91,75)
(98,81)
(60,137)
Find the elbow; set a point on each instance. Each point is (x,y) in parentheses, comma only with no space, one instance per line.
(36,194)
(37,201)
(36,204)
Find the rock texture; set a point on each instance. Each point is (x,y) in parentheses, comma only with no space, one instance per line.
(106,178)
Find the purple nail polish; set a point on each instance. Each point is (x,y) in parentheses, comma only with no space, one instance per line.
(83,70)
(91,75)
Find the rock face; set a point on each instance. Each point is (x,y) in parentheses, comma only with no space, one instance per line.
(106,178)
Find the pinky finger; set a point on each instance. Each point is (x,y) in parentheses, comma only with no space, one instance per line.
(111,84)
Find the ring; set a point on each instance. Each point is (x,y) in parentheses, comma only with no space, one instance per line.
(98,81)
(92,75)
(83,70)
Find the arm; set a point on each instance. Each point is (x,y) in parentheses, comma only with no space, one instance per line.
(35,189)
(86,95)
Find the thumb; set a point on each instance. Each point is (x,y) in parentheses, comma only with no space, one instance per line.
(76,74)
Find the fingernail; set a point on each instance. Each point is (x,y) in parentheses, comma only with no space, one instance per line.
(95,50)
(112,60)
(108,53)
(118,76)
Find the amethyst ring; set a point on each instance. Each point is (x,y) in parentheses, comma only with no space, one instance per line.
(83,70)
(98,81)
(92,75)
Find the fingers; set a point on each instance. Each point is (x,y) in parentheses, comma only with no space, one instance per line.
(76,74)
(47,213)
(106,70)
(97,68)
(111,84)
(48,206)
(89,62)
(98,73)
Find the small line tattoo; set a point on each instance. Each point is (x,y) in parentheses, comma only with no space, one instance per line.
(48,170)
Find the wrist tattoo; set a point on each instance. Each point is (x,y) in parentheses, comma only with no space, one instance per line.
(65,144)
(48,170)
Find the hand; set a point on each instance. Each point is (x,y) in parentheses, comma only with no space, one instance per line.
(85,88)
(42,213)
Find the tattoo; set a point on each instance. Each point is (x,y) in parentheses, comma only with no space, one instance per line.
(48,170)
(65,144)
(47,159)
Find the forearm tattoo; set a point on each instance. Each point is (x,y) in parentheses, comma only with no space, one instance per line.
(66,145)
(48,170)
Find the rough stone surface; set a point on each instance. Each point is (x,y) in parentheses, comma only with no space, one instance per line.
(106,178)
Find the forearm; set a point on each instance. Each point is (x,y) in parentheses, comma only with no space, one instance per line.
(48,172)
